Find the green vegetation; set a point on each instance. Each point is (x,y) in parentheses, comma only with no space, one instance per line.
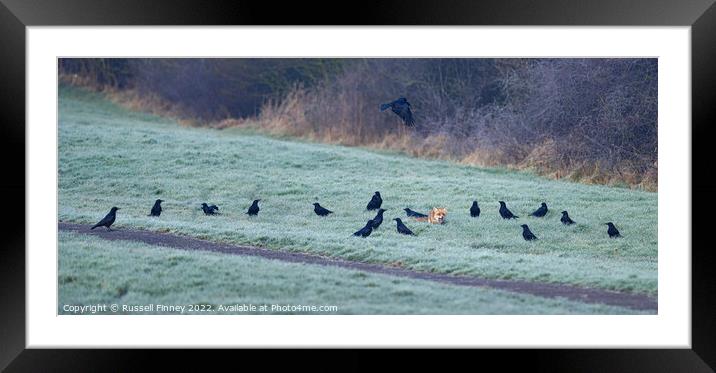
(109,156)
(95,271)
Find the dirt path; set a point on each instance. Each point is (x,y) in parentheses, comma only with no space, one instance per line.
(586,295)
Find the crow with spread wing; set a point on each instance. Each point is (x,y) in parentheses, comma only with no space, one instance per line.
(400,107)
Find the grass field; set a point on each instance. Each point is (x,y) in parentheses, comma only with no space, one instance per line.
(129,273)
(109,156)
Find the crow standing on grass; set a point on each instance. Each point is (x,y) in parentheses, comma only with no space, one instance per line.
(375,202)
(321,211)
(378,219)
(209,210)
(613,231)
(254,209)
(402,228)
(365,231)
(400,107)
(157,208)
(505,212)
(527,233)
(541,211)
(414,214)
(474,209)
(566,220)
(108,220)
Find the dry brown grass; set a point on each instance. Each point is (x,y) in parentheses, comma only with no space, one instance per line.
(134,100)
(292,117)
(543,159)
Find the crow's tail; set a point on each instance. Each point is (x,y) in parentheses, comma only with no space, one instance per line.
(94,226)
(383,107)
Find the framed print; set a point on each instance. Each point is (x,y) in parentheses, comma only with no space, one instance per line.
(472,177)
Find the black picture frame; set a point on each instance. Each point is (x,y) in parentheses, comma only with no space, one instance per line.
(16,15)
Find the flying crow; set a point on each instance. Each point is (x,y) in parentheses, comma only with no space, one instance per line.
(401,107)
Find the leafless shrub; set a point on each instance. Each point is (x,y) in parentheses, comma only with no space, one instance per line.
(591,120)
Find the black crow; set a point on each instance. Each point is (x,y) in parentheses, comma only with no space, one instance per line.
(157,208)
(254,209)
(375,202)
(108,220)
(527,233)
(414,214)
(209,210)
(402,228)
(541,211)
(320,210)
(565,219)
(474,209)
(613,232)
(365,231)
(378,219)
(401,107)
(505,212)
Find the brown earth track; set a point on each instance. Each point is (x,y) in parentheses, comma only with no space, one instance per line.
(547,290)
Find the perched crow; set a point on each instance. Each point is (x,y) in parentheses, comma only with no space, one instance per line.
(365,231)
(505,212)
(527,233)
(375,202)
(541,211)
(402,228)
(378,219)
(157,208)
(565,219)
(414,214)
(209,210)
(474,209)
(320,210)
(613,232)
(254,209)
(108,220)
(401,107)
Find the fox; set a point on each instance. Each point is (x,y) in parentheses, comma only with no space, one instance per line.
(435,216)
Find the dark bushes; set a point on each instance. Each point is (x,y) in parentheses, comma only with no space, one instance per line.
(591,120)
